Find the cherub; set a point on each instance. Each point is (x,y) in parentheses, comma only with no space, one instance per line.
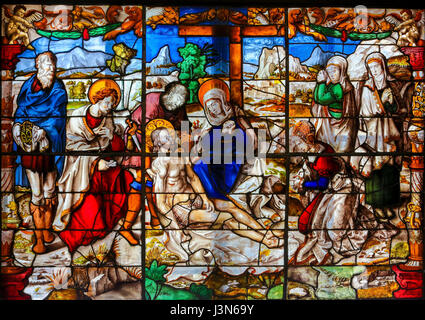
(406,26)
(161,15)
(59,19)
(67,18)
(222,14)
(342,19)
(83,19)
(265,15)
(19,24)
(134,21)
(298,20)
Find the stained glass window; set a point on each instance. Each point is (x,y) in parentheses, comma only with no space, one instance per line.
(224,153)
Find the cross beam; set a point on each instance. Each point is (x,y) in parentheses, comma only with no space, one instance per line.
(234,33)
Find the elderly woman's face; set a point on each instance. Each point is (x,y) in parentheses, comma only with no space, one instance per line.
(334,73)
(215,108)
(376,69)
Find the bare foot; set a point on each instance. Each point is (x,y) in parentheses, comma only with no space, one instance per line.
(128,235)
(39,247)
(271,241)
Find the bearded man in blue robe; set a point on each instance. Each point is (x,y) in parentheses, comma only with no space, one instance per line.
(39,138)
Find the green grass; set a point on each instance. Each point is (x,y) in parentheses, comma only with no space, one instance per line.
(75,104)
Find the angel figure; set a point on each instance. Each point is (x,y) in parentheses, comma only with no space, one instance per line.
(82,18)
(221,14)
(407,26)
(161,15)
(20,21)
(134,21)
(299,21)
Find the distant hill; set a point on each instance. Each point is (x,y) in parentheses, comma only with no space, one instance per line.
(272,61)
(320,57)
(77,58)
(161,64)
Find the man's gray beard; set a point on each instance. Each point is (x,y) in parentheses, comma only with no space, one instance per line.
(46,79)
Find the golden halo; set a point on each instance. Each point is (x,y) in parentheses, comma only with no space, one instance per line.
(152,126)
(102,84)
(213,84)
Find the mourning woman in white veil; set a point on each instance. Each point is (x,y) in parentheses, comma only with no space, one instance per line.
(335,109)
(378,133)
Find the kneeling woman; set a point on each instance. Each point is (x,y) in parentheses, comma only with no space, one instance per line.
(95,192)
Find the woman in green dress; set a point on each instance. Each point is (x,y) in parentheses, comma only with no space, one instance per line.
(334,109)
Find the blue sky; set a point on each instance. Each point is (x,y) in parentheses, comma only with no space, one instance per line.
(168,35)
(161,36)
(300,46)
(93,44)
(252,47)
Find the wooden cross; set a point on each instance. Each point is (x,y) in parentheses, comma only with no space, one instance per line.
(235,34)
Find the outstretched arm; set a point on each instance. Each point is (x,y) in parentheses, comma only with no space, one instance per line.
(23,21)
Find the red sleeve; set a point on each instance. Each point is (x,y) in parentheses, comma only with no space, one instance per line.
(117,144)
(92,122)
(36,85)
(152,106)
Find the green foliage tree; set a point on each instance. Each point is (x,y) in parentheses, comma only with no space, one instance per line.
(80,90)
(71,85)
(195,61)
(77,90)
(192,68)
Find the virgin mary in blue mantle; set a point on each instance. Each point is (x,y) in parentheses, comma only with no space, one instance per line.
(218,177)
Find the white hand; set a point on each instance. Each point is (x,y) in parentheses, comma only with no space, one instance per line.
(112,163)
(390,96)
(16,132)
(252,137)
(104,165)
(197,134)
(104,131)
(209,206)
(322,76)
(384,97)
(279,203)
(39,135)
(387,95)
